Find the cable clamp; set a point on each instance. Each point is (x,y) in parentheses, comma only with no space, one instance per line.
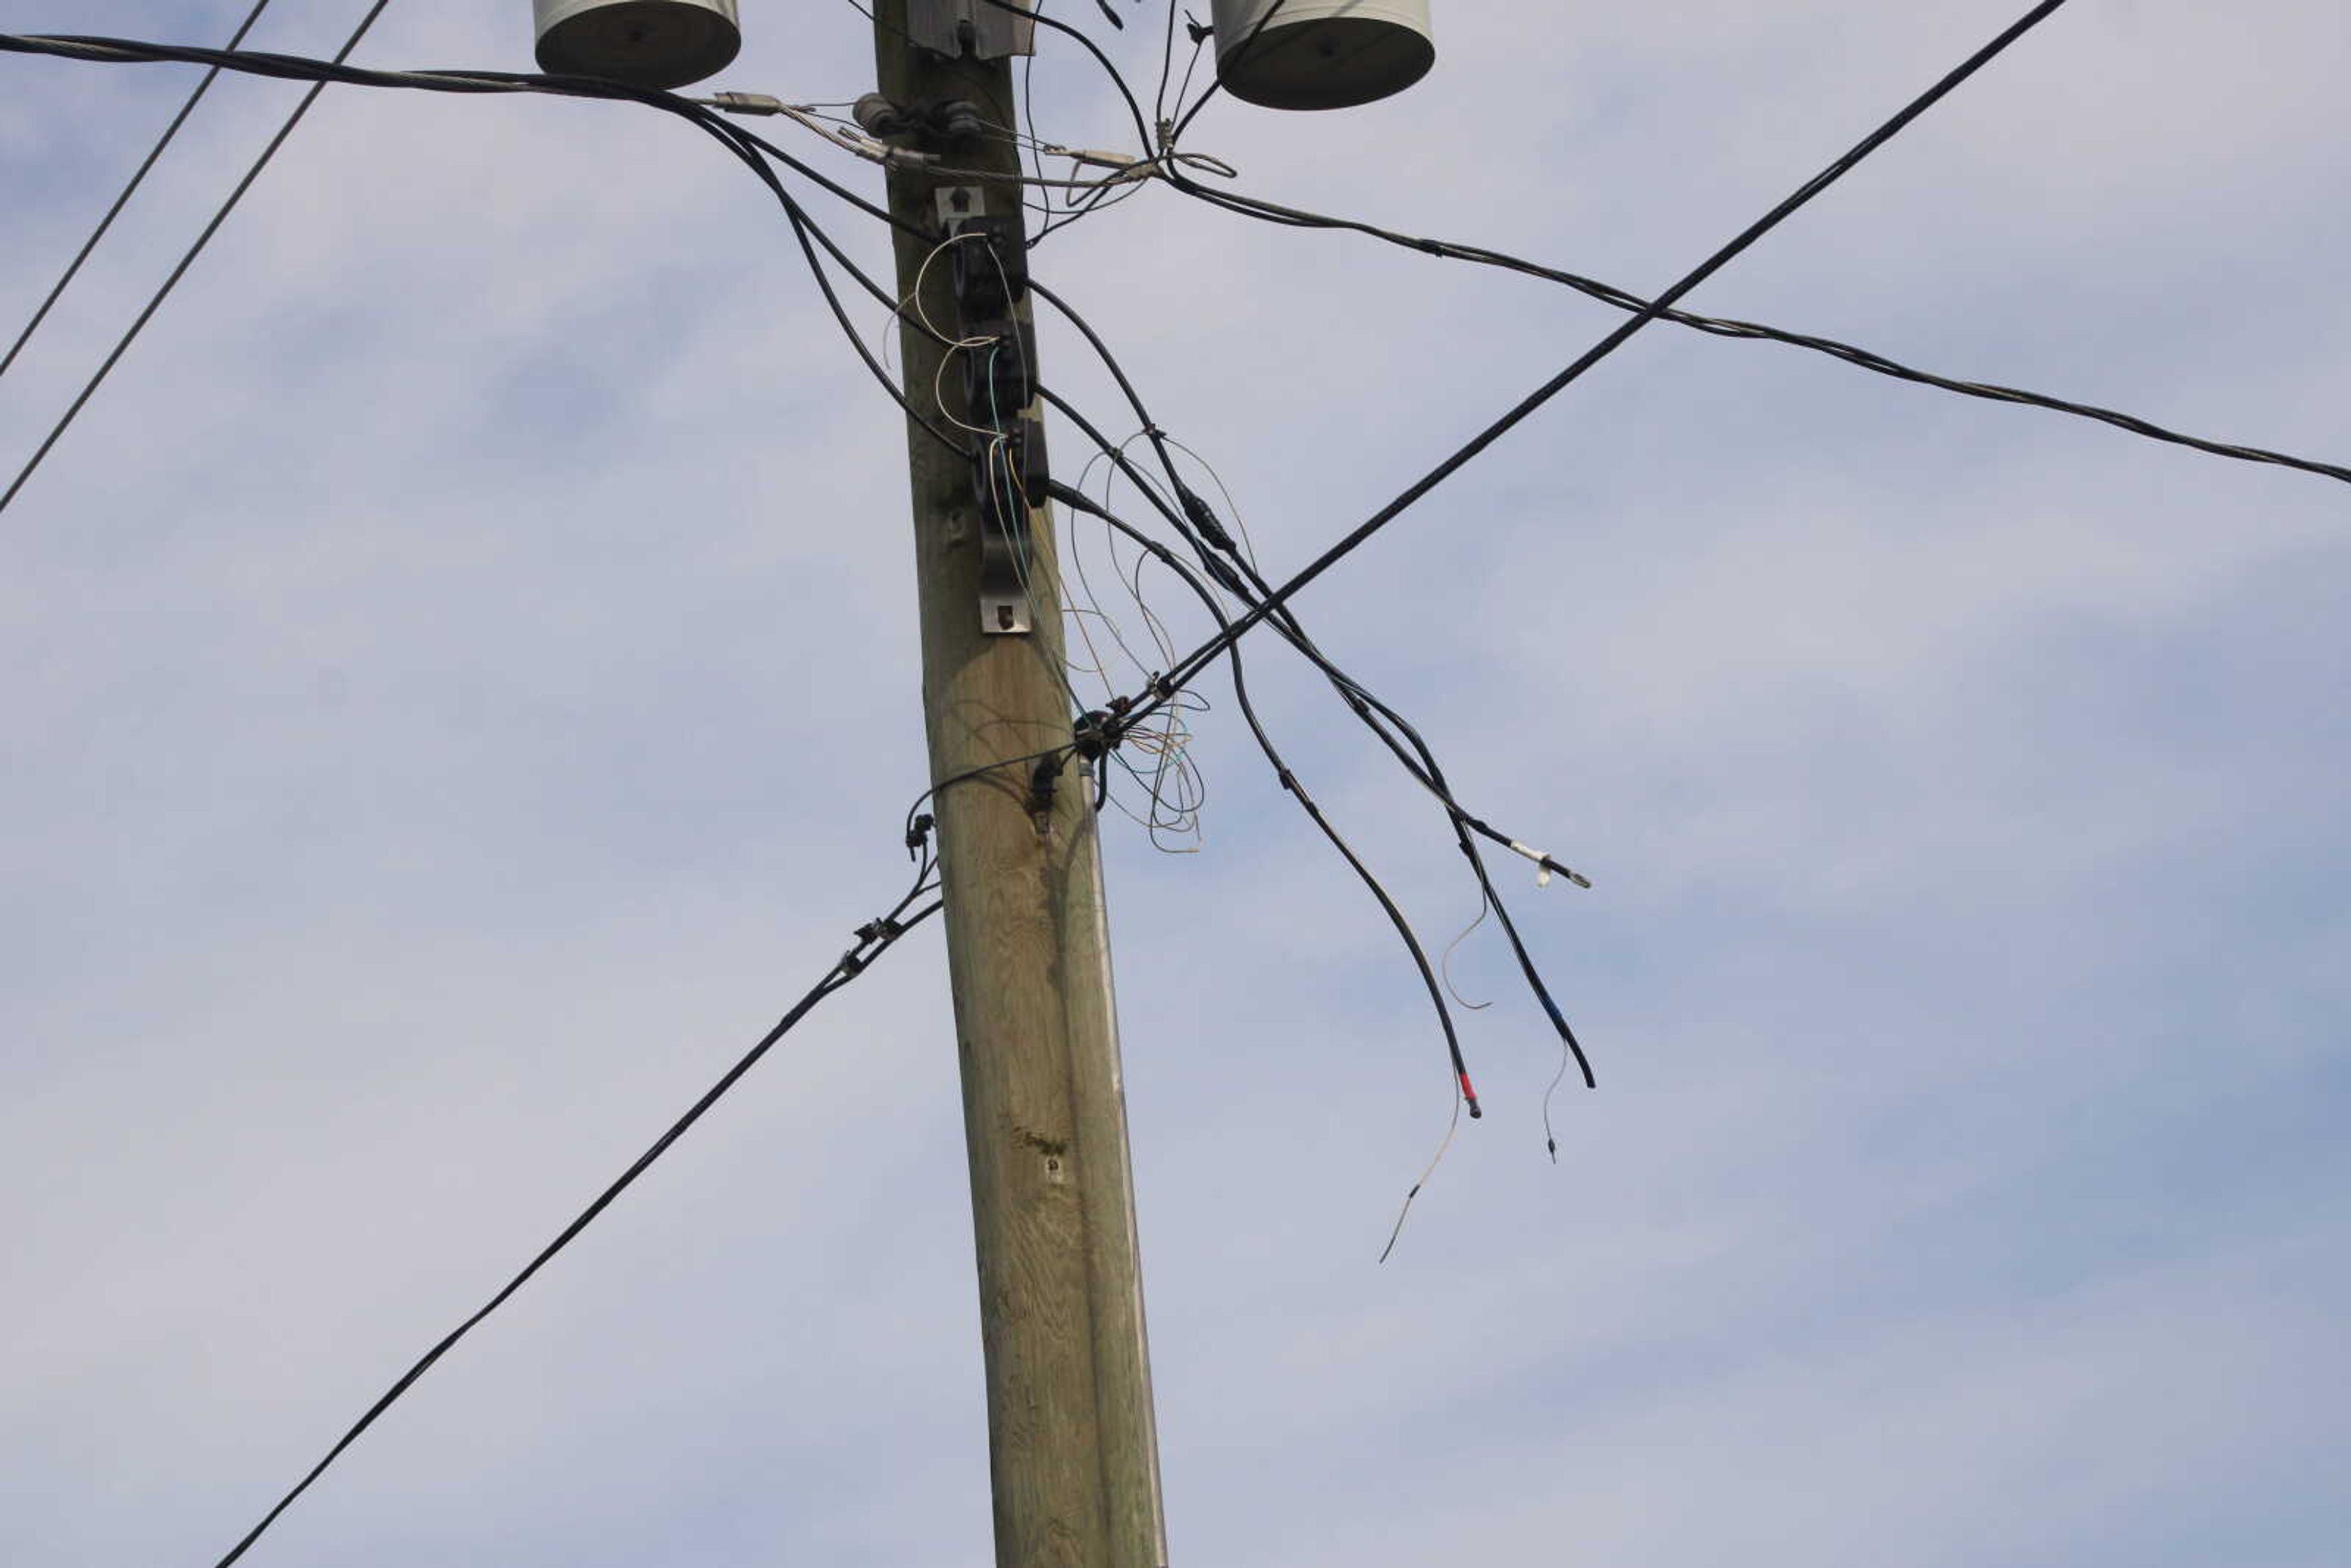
(1217,166)
(744,102)
(1096,735)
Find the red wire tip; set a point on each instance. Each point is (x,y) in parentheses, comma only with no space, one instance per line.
(1470,1096)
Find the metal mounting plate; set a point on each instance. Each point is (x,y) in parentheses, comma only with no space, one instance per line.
(958,27)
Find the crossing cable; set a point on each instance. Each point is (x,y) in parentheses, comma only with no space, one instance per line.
(1169,166)
(73,268)
(874,939)
(1722,327)
(1354,540)
(296,67)
(202,239)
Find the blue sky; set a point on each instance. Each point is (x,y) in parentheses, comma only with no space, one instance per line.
(461,672)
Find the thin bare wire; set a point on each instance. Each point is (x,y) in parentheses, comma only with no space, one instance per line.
(1452,1125)
(1445,964)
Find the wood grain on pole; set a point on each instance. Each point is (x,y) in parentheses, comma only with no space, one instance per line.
(1073,1453)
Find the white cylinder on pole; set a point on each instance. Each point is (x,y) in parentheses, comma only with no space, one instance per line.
(644,43)
(1321,53)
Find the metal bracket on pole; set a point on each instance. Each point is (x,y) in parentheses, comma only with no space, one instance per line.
(958,27)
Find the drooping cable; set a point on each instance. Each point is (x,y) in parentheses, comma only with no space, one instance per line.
(874,939)
(1197,524)
(1078,500)
(73,268)
(1722,327)
(139,325)
(1463,1093)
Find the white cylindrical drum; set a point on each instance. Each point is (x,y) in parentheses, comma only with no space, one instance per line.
(644,43)
(1321,53)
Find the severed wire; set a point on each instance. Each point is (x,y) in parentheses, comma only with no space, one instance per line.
(742,144)
(73,268)
(1270,605)
(1452,1125)
(749,147)
(1463,1093)
(874,939)
(1078,500)
(140,324)
(1197,525)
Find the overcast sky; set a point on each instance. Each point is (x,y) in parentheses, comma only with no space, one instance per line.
(461,685)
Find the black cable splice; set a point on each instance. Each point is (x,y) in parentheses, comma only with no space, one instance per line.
(1203,517)
(1044,784)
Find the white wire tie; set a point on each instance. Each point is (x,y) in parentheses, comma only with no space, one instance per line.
(1545,865)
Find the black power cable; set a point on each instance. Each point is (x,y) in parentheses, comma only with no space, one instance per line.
(1494,432)
(1722,327)
(205,238)
(162,143)
(1078,500)
(874,939)
(750,148)
(1167,165)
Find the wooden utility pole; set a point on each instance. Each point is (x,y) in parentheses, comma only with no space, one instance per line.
(1073,1446)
